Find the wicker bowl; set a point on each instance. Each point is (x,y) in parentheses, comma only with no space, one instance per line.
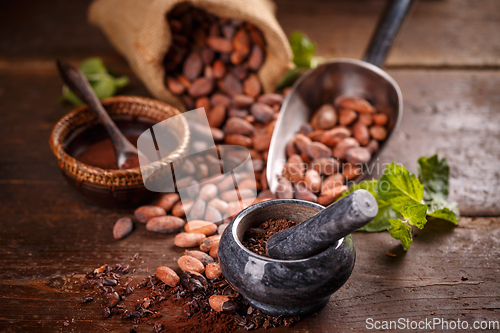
(114,188)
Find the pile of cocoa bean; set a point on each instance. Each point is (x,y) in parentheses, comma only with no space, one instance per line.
(332,149)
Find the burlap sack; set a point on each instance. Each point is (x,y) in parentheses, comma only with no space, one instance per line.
(138,29)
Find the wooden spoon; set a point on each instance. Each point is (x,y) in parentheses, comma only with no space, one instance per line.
(126,153)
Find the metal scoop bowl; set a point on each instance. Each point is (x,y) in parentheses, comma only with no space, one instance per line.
(338,77)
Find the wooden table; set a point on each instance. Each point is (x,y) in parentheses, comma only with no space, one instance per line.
(447,63)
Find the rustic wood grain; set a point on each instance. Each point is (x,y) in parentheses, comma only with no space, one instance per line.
(442,33)
(449,33)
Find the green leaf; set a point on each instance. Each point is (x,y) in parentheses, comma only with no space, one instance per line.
(402,231)
(69,96)
(385,211)
(105,87)
(444,210)
(121,82)
(415,213)
(381,221)
(291,76)
(303,49)
(93,66)
(434,173)
(398,186)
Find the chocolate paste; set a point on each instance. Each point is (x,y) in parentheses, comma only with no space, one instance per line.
(102,155)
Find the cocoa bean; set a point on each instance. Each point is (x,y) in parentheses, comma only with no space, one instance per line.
(186,239)
(343,146)
(193,189)
(351,171)
(284,189)
(204,258)
(328,197)
(238,139)
(251,184)
(333,181)
(192,66)
(213,271)
(214,251)
(325,118)
(207,56)
(212,214)
(266,194)
(243,101)
(378,132)
(263,180)
(175,86)
(358,155)
(217,116)
(359,105)
(293,172)
(318,150)
(201,86)
(332,137)
(296,159)
(181,208)
(198,210)
(220,99)
(219,44)
(257,38)
(167,276)
(221,303)
(326,165)
(165,224)
(234,207)
(241,43)
(258,165)
(184,81)
(167,201)
(360,133)
(190,264)
(313,180)
(144,213)
(230,85)
(262,142)
(238,126)
(302,193)
(203,102)
(373,146)
(263,113)
(270,99)
(238,113)
(347,117)
(219,69)
(209,242)
(219,204)
(122,228)
(365,118)
(256,58)
(380,119)
(234,195)
(315,135)
(302,143)
(239,72)
(252,87)
(200,226)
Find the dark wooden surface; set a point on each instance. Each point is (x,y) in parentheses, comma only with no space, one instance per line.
(447,64)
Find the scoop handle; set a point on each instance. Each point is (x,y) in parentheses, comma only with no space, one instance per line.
(324,229)
(387,29)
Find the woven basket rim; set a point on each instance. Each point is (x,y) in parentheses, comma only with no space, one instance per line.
(115,177)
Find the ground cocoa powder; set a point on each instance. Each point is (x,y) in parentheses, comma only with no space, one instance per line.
(255,239)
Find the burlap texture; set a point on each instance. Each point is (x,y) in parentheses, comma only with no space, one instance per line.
(138,29)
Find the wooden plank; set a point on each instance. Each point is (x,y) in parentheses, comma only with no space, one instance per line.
(438,33)
(454,113)
(449,273)
(454,33)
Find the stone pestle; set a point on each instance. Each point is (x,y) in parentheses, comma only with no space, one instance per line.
(324,229)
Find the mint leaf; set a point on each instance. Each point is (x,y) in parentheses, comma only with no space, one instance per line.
(444,210)
(381,221)
(93,66)
(434,173)
(105,87)
(104,84)
(385,211)
(398,186)
(402,231)
(415,213)
(303,49)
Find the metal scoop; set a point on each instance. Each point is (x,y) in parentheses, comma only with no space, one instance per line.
(342,77)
